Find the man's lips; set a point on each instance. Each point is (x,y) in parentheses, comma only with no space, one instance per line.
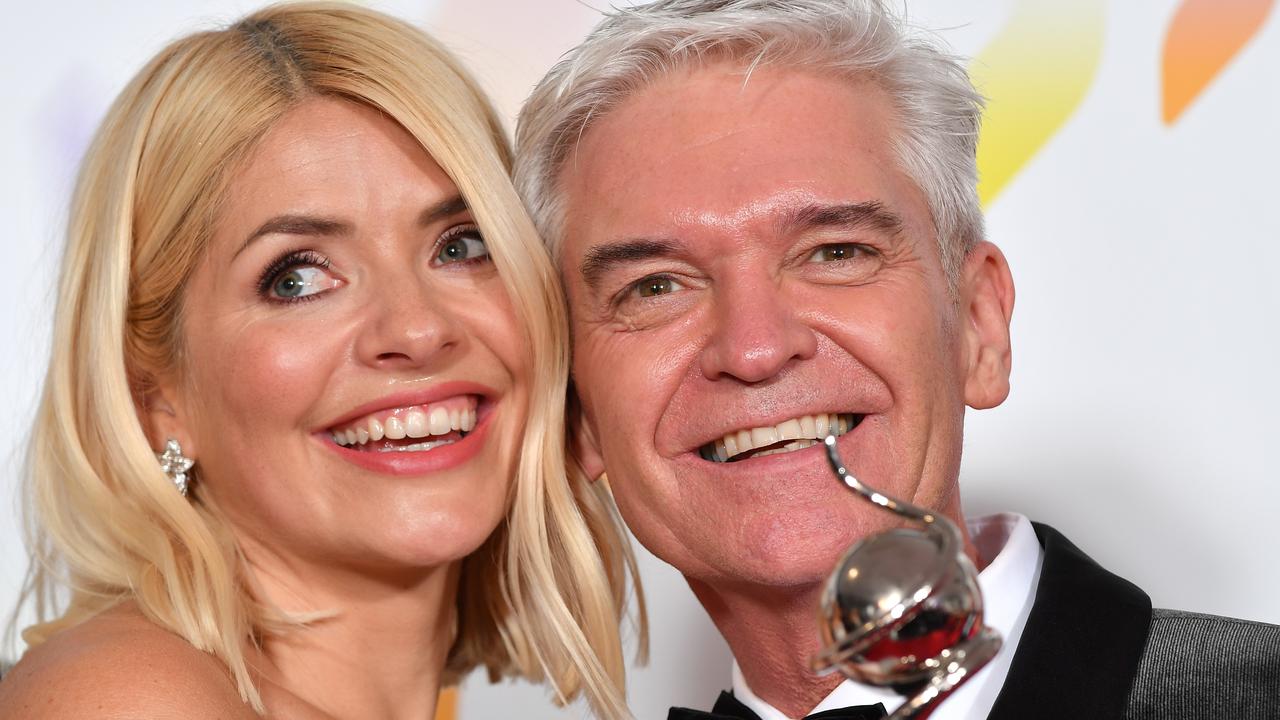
(787,436)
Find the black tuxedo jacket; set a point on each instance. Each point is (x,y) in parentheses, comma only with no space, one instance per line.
(1093,649)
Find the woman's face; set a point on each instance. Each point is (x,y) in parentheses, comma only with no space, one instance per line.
(354,384)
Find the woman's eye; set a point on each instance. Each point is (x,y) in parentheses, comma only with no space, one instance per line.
(465,245)
(655,285)
(301,281)
(836,252)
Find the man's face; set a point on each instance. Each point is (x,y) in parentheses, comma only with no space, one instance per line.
(746,260)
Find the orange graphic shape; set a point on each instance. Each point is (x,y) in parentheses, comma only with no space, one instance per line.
(447,704)
(1203,37)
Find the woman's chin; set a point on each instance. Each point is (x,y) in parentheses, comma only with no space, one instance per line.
(386,530)
(420,536)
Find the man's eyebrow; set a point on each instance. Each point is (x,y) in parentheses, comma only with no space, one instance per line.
(870,214)
(602,259)
(318,226)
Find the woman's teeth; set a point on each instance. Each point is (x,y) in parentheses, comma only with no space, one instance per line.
(417,422)
(417,447)
(787,436)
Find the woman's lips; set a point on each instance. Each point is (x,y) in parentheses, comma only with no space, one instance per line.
(401,458)
(413,433)
(443,393)
(431,420)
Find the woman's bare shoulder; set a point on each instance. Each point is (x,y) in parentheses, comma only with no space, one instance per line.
(119,664)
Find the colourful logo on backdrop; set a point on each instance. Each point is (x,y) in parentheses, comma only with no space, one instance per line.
(1037,71)
(1203,37)
(1034,74)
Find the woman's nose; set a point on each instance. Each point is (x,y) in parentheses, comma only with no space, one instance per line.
(409,327)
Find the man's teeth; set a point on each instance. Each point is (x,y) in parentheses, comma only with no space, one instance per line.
(802,432)
(415,423)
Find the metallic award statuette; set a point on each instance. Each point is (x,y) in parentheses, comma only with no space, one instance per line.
(903,608)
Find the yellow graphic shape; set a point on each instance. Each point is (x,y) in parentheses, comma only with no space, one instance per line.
(447,704)
(1203,37)
(1034,74)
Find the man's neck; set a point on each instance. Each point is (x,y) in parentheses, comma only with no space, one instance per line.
(773,634)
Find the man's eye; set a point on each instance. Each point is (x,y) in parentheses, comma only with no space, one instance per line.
(656,285)
(834,253)
(466,244)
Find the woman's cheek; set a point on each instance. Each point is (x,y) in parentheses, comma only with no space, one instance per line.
(271,374)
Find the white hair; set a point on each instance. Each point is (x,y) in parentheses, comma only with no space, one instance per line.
(938,110)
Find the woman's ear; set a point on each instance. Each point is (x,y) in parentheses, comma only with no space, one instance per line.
(163,416)
(986,308)
(582,438)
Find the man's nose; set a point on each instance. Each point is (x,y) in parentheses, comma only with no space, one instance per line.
(757,332)
(408,327)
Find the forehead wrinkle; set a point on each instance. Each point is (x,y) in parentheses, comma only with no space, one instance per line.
(745,213)
(794,210)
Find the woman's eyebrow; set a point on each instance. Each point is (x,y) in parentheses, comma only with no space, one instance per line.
(293,224)
(314,225)
(441,210)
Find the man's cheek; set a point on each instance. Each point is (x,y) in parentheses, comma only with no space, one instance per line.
(610,383)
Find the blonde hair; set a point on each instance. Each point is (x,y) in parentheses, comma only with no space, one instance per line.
(542,598)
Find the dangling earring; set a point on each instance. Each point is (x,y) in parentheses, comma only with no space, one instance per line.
(175,464)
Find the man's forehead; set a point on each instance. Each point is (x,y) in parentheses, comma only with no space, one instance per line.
(715,153)
(717,149)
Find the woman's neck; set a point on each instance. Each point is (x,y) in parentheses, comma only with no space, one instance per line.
(377,653)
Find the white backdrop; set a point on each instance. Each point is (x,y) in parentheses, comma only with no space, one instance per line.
(1144,244)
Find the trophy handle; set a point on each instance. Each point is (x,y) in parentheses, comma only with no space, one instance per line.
(934,523)
(869,607)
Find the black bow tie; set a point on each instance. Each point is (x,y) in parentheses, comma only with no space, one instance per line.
(728,707)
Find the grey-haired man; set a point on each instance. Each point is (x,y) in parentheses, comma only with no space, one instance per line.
(766,217)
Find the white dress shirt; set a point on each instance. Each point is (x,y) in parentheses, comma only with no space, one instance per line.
(1008,586)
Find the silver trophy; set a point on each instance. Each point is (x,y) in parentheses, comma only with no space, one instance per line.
(903,608)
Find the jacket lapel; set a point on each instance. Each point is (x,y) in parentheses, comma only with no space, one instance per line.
(1079,652)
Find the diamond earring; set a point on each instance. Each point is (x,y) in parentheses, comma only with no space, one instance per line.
(175,464)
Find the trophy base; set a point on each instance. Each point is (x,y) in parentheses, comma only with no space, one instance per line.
(958,663)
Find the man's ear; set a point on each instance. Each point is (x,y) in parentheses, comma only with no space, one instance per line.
(582,438)
(163,417)
(986,307)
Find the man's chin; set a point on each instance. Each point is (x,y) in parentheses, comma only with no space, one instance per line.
(795,569)
(797,554)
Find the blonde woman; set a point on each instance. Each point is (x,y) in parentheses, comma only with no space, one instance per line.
(300,451)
